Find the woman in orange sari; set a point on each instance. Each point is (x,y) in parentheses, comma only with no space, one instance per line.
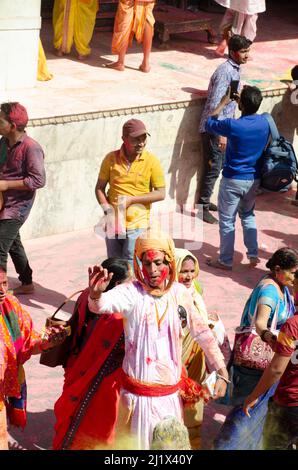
(86,412)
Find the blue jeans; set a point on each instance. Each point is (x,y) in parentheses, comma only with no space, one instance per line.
(123,247)
(237,197)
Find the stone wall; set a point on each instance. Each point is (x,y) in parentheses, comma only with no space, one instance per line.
(75,146)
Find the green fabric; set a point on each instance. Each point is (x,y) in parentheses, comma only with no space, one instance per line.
(3,152)
(13,326)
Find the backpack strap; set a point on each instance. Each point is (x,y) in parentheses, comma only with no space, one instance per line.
(273,129)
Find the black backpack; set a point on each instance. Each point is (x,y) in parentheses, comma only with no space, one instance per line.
(279,165)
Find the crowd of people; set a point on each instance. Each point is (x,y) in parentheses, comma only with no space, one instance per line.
(145,356)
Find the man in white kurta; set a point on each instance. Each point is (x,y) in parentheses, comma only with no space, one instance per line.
(240,18)
(153,335)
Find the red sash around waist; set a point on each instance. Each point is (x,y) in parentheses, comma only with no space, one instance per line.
(147,389)
(189,390)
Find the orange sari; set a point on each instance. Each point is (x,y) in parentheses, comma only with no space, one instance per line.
(86,412)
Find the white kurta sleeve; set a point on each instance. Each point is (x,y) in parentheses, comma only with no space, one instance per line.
(120,299)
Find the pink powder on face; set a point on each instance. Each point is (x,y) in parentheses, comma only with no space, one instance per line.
(163,275)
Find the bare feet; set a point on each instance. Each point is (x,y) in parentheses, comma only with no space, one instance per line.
(220,50)
(58,53)
(144,68)
(116,65)
(83,57)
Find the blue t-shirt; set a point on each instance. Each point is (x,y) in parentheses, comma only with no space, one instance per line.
(247,138)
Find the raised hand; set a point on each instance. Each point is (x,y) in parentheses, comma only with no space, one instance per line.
(99,279)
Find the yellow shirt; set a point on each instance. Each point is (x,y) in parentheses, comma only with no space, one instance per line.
(132,179)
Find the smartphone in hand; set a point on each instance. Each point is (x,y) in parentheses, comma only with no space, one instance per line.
(234,89)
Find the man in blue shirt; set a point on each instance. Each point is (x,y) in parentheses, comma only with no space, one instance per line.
(246,140)
(214,145)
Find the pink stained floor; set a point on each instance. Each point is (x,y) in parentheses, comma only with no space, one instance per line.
(178,73)
(60,265)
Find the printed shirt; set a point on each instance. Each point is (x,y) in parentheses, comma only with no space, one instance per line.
(24,160)
(132,179)
(218,86)
(287,345)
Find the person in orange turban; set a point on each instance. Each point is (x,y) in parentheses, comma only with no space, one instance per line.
(152,387)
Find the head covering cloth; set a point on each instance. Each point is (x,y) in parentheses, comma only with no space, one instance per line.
(180,255)
(153,239)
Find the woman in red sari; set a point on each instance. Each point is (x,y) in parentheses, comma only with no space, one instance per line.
(86,412)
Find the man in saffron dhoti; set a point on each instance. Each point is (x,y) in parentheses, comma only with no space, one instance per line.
(73,22)
(133,18)
(153,384)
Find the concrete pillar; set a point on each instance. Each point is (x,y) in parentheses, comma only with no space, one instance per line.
(20,23)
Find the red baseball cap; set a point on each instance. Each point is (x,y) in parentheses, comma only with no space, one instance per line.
(18,115)
(134,128)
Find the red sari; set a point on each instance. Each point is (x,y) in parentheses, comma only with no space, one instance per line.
(86,412)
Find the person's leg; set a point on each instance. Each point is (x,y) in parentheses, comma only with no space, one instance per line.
(230,193)
(225,30)
(144,32)
(63,25)
(129,244)
(213,161)
(84,23)
(292,420)
(147,45)
(114,247)
(248,220)
(9,234)
(122,34)
(276,435)
(21,263)
(249,28)
(238,23)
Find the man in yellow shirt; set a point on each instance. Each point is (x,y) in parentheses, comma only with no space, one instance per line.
(136,180)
